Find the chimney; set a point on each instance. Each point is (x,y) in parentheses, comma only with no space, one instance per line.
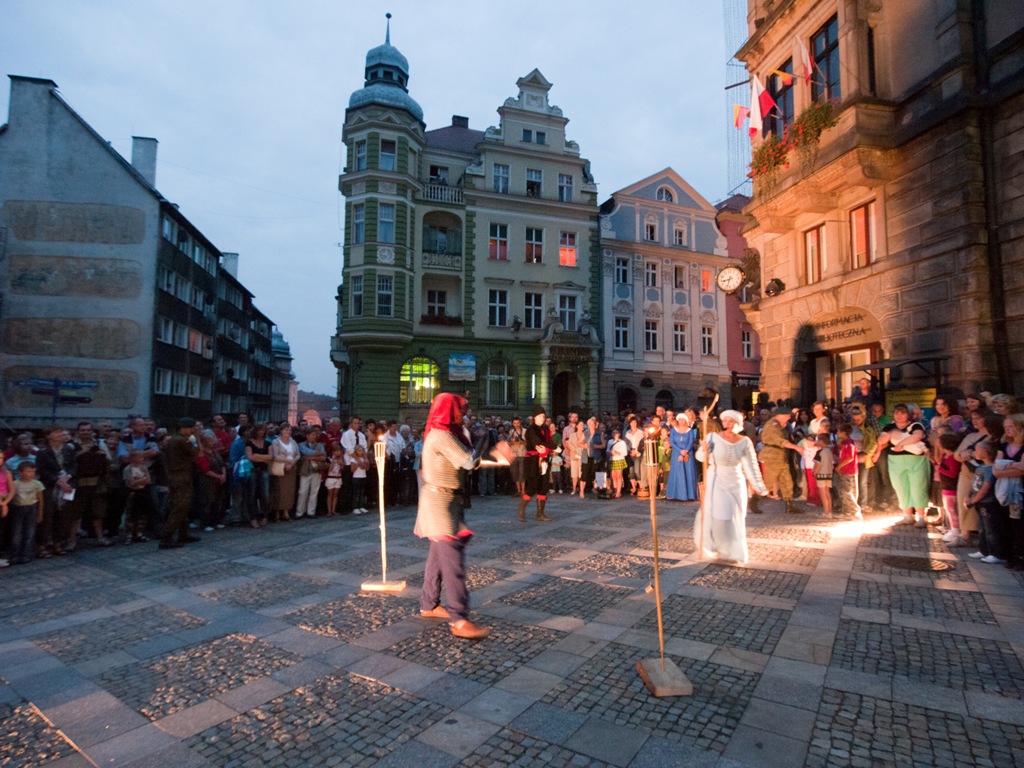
(229,263)
(458,121)
(144,158)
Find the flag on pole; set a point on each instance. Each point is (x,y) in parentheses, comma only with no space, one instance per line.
(787,77)
(739,114)
(805,60)
(756,123)
(767,102)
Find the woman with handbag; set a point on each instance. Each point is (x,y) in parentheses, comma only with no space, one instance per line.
(682,476)
(284,454)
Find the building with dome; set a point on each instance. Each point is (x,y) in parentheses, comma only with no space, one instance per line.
(284,389)
(471,259)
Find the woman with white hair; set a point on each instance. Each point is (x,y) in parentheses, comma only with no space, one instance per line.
(731,465)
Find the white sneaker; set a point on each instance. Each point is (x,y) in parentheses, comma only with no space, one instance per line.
(992,560)
(976,556)
(3,563)
(905,520)
(921,523)
(950,537)
(208,529)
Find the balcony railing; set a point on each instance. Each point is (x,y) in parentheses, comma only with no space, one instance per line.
(442,260)
(442,193)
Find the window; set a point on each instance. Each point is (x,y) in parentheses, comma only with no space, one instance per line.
(567,311)
(650,336)
(534,179)
(499,242)
(679,338)
(567,249)
(438,174)
(814,254)
(565,188)
(862,236)
(747,344)
(192,386)
(501,177)
(181,336)
(161,381)
(499,384)
(437,302)
(358,223)
(665,195)
(825,52)
(621,270)
(198,298)
(356,309)
(533,309)
(440,240)
(170,229)
(707,340)
(780,87)
(386,223)
(195,341)
(388,155)
(679,237)
(679,274)
(497,308)
(527,135)
(385,295)
(650,231)
(360,155)
(650,275)
(165,330)
(621,336)
(418,381)
(542,137)
(707,281)
(183,289)
(534,245)
(167,280)
(177,384)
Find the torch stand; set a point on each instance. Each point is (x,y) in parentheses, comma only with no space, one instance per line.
(380,457)
(661,676)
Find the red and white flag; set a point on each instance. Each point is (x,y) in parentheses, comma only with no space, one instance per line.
(761,103)
(805,59)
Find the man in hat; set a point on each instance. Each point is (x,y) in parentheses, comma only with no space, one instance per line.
(773,455)
(537,465)
(179,462)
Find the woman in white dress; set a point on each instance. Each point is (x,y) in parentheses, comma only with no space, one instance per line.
(730,465)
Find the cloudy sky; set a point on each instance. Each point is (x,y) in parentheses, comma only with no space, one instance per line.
(247,99)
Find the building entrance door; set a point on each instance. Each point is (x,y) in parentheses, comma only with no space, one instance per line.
(565,394)
(626,400)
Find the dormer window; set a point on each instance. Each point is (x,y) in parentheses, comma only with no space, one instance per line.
(665,195)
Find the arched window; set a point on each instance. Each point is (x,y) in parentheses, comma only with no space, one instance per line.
(665,194)
(499,384)
(665,399)
(419,381)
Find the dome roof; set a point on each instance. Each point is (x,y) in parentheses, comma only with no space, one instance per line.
(278,345)
(387,55)
(387,73)
(388,96)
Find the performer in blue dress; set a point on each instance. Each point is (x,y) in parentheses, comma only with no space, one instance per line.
(682,477)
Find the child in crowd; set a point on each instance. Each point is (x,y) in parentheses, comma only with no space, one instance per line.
(26,512)
(359,464)
(335,470)
(6,494)
(139,507)
(557,462)
(846,473)
(808,450)
(983,499)
(948,468)
(823,467)
(664,460)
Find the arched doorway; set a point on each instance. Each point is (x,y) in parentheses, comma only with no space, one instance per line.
(665,399)
(565,394)
(626,400)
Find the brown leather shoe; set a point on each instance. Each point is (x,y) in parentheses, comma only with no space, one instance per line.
(437,612)
(467,629)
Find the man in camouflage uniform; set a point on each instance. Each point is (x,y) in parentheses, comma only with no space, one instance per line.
(775,442)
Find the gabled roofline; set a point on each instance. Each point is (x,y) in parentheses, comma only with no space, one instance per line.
(669,172)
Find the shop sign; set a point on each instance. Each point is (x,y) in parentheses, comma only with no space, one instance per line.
(461,367)
(570,354)
(848,327)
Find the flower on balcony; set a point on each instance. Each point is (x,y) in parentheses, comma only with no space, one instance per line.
(804,133)
(767,160)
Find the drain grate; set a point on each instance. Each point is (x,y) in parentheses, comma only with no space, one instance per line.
(917,563)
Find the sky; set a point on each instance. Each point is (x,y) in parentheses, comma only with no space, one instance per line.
(247,99)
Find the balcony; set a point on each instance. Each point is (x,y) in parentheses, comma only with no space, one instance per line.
(442,193)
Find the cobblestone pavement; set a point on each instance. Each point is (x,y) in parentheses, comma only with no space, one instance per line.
(842,643)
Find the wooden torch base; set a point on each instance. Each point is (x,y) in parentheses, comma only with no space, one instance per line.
(382,586)
(669,681)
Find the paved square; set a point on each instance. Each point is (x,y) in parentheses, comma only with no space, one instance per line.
(578,534)
(208,574)
(477,577)
(46,580)
(789,533)
(68,605)
(756,580)
(525,553)
(353,616)
(26,739)
(880,563)
(512,748)
(805,556)
(904,540)
(266,592)
(567,597)
(666,543)
(626,566)
(747,627)
(369,564)
(920,601)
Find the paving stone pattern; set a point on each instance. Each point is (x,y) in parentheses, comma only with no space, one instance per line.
(515,749)
(208,574)
(352,616)
(194,674)
(369,564)
(314,550)
(578,534)
(953,661)
(508,648)
(26,739)
(804,556)
(683,544)
(477,577)
(620,521)
(873,562)
(627,566)
(342,720)
(865,732)
(788,586)
(787,533)
(60,607)
(567,597)
(930,603)
(85,641)
(912,540)
(525,553)
(747,627)
(46,580)
(607,686)
(267,592)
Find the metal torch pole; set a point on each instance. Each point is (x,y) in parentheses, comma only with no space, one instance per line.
(380,456)
(651,461)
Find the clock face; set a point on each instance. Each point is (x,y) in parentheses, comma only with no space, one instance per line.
(730,279)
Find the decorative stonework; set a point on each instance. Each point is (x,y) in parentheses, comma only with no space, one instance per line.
(653,310)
